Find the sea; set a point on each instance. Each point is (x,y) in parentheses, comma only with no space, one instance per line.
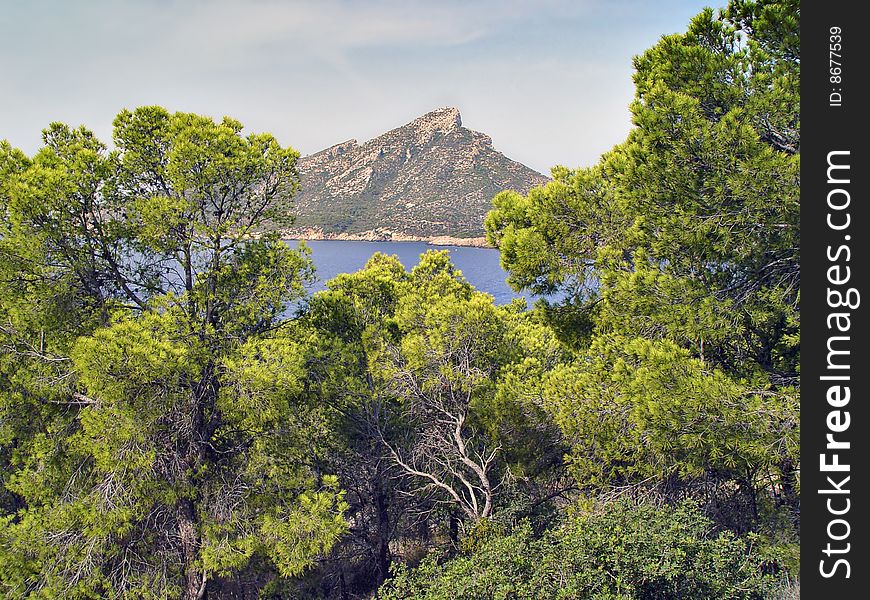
(479,266)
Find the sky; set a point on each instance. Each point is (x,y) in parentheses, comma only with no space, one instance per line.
(548,80)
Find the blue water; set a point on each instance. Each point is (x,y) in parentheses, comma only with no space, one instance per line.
(480,266)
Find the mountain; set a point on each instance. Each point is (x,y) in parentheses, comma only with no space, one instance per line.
(431,177)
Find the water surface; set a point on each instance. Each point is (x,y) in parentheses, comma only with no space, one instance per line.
(480,266)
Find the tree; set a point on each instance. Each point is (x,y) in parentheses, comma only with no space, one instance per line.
(339,372)
(443,365)
(418,376)
(644,414)
(420,353)
(684,238)
(179,452)
(440,371)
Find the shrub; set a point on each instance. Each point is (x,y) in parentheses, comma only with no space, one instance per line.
(625,552)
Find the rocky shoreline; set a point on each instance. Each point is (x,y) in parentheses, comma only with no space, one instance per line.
(385,235)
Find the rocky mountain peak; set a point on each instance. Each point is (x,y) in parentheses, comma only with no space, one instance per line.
(444,120)
(430,177)
(423,130)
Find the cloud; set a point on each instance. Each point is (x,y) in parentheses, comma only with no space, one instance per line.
(331,30)
(549,80)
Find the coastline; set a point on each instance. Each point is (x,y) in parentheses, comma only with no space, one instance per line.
(384,235)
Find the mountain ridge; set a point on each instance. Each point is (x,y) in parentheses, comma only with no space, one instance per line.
(429,178)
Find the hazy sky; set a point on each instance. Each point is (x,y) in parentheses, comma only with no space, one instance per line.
(549,80)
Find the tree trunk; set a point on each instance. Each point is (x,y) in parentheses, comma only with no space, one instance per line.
(203,397)
(790,497)
(194,577)
(453,528)
(382,542)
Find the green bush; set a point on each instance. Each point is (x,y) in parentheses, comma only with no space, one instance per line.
(625,552)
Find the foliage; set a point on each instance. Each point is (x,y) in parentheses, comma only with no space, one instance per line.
(169,427)
(410,368)
(698,208)
(624,552)
(174,452)
(679,252)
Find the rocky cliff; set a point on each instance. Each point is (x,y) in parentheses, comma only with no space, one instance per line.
(431,177)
